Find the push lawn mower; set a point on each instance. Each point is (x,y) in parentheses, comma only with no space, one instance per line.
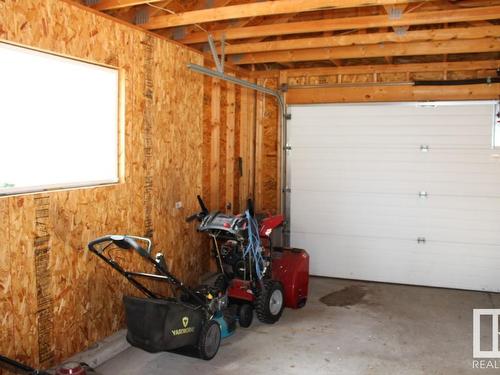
(255,274)
(195,317)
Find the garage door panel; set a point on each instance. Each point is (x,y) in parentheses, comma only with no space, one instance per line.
(392,127)
(356,175)
(358,125)
(465,141)
(359,224)
(395,155)
(409,186)
(478,208)
(443,172)
(399,223)
(404,112)
(391,260)
(409,225)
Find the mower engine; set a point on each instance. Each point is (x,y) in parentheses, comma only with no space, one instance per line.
(215,299)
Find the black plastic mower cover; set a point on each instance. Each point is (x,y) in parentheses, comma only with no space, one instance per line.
(158,325)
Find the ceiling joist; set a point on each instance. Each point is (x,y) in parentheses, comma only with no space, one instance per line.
(265,8)
(323,33)
(485,65)
(367,51)
(117,4)
(350,23)
(372,38)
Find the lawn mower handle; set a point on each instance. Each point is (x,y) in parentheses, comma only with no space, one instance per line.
(129,242)
(123,242)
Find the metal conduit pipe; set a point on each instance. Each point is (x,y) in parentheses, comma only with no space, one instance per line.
(283,118)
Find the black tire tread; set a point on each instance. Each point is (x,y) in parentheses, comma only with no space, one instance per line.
(245,323)
(201,340)
(262,302)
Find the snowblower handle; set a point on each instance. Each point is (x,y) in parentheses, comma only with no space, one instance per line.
(192,217)
(200,215)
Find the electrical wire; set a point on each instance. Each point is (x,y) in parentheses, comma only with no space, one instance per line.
(172,12)
(254,246)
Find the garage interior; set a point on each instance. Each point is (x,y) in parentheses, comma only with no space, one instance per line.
(372,126)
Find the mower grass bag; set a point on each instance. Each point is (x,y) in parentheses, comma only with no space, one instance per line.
(157,325)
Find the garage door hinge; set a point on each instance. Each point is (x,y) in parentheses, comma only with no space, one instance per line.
(288,116)
(287,148)
(421,240)
(287,190)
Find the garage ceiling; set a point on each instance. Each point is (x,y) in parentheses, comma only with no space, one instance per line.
(281,34)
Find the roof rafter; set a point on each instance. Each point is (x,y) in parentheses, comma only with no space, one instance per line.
(372,38)
(377,50)
(350,23)
(394,68)
(117,4)
(265,8)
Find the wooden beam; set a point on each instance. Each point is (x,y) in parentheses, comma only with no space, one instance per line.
(215,146)
(350,23)
(447,4)
(373,38)
(230,147)
(265,8)
(260,115)
(395,68)
(392,94)
(117,4)
(129,15)
(365,51)
(243,181)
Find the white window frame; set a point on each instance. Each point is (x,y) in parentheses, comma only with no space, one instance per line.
(118,137)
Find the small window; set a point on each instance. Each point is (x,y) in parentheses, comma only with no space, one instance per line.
(58,122)
(496,126)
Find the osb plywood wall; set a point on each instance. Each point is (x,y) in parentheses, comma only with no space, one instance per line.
(55,297)
(240,145)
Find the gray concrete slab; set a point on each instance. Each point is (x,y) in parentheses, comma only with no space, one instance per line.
(388,329)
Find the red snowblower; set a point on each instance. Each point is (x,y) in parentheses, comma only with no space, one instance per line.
(256,275)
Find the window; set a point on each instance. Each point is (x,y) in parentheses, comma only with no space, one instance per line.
(58,122)
(496,127)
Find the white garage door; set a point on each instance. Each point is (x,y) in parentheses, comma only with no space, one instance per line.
(403,193)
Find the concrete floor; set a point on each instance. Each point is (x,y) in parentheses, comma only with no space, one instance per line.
(391,329)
